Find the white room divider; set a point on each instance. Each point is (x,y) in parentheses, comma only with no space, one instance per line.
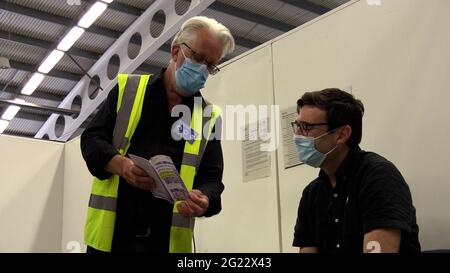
(396,58)
(31,195)
(249,220)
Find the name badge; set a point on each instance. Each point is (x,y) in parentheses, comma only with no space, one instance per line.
(186,132)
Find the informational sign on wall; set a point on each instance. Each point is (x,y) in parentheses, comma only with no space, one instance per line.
(289,151)
(256,163)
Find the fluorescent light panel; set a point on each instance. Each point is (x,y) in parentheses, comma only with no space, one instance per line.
(3,125)
(71,37)
(66,43)
(51,61)
(92,14)
(12,110)
(32,84)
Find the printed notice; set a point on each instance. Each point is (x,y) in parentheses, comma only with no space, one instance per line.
(256,163)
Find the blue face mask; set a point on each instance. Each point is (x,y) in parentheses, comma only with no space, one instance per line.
(307,152)
(190,77)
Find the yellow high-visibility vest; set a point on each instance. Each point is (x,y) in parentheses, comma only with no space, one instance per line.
(101,214)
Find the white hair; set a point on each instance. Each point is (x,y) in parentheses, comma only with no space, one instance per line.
(188,29)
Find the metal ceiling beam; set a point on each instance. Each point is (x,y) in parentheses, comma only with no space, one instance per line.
(251,16)
(307,5)
(94,29)
(145,67)
(46,45)
(241,41)
(217,6)
(244,42)
(41,115)
(119,47)
(33,115)
(39,94)
(73,51)
(117,6)
(54,73)
(34,106)
(48,17)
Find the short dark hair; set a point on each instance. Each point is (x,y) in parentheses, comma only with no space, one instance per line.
(341,108)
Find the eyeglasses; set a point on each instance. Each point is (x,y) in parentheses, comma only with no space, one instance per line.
(304,127)
(212,68)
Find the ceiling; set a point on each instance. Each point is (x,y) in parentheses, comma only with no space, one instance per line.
(30,29)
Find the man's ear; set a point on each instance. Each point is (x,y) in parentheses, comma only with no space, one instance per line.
(174,52)
(344,133)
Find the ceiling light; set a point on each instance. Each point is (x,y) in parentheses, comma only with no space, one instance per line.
(10,112)
(32,84)
(51,61)
(3,125)
(92,14)
(71,37)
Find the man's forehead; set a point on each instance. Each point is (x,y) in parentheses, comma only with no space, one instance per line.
(311,114)
(207,43)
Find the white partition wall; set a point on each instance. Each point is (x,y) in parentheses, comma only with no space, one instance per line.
(396,57)
(31,195)
(249,219)
(77,189)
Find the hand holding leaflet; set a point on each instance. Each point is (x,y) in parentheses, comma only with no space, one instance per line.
(169,185)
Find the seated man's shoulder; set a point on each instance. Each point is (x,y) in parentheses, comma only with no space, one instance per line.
(372,160)
(375,166)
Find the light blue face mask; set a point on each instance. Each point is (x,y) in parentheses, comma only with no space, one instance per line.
(307,151)
(190,77)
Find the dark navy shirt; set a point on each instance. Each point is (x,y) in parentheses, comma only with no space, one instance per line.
(370,193)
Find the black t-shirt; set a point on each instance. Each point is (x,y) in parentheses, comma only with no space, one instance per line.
(370,193)
(137,210)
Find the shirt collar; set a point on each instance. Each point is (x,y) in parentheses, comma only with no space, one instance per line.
(346,168)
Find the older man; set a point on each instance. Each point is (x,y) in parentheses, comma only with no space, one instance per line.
(123,215)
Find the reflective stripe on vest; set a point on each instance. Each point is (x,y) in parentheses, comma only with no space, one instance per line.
(100,222)
(181,230)
(101,214)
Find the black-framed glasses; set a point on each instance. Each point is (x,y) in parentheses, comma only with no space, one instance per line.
(303,126)
(212,68)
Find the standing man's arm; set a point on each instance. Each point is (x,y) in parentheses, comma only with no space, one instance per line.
(96,140)
(102,158)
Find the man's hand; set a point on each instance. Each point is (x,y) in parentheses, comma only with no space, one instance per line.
(195,205)
(135,176)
